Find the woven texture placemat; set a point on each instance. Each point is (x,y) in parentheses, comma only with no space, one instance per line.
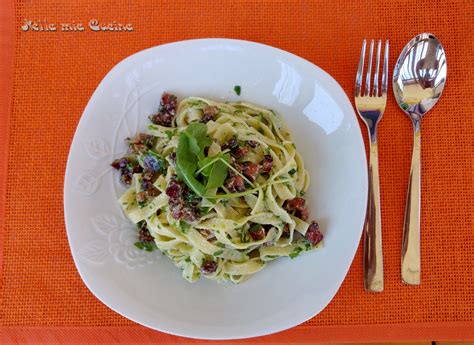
(55,73)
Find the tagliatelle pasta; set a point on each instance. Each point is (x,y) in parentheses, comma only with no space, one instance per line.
(217,187)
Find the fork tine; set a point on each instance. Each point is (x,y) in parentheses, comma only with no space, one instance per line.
(377,66)
(369,70)
(360,69)
(385,69)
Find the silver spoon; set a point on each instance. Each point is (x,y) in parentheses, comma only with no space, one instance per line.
(418,81)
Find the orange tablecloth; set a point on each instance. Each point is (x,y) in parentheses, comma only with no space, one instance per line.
(48,77)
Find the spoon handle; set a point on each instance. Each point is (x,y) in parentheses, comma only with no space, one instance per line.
(411,266)
(373,260)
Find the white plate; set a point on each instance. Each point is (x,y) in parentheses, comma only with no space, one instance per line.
(147,287)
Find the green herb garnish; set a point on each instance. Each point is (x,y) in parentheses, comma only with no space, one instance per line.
(215,169)
(190,149)
(191,197)
(244,237)
(146,246)
(295,252)
(184,227)
(255,227)
(170,134)
(190,157)
(237,89)
(219,252)
(292,171)
(188,259)
(218,172)
(205,210)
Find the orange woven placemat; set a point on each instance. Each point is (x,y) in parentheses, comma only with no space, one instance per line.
(42,297)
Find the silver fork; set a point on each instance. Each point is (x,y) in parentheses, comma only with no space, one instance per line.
(371,105)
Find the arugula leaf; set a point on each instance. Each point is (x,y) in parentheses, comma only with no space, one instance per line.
(193,145)
(218,172)
(206,163)
(186,164)
(198,139)
(190,157)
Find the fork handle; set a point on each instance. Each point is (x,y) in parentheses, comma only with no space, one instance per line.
(411,262)
(373,260)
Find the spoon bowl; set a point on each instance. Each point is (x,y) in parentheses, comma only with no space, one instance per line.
(420,75)
(418,82)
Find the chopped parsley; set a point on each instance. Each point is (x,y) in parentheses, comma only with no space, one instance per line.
(244,237)
(205,210)
(188,259)
(184,227)
(219,252)
(146,246)
(292,171)
(190,197)
(295,252)
(237,89)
